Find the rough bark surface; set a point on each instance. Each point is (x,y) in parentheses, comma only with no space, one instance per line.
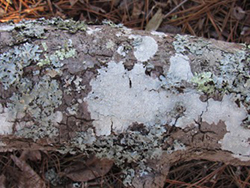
(148,98)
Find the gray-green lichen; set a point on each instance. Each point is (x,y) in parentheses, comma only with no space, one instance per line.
(204,82)
(39,103)
(70,25)
(225,71)
(65,51)
(112,24)
(182,44)
(35,99)
(28,29)
(137,145)
(134,145)
(14,61)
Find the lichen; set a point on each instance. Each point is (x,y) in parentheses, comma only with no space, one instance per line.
(70,25)
(65,51)
(145,47)
(112,24)
(204,82)
(36,100)
(39,103)
(28,29)
(116,103)
(130,146)
(184,45)
(236,138)
(179,69)
(6,126)
(135,146)
(72,110)
(13,62)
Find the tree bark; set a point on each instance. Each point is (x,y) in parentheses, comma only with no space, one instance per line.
(150,98)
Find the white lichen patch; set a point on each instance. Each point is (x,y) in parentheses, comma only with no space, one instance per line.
(237,138)
(6,27)
(110,45)
(179,68)
(145,47)
(6,125)
(121,50)
(58,117)
(160,34)
(120,97)
(91,31)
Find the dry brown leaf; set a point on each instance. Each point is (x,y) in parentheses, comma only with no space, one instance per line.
(2,12)
(73,2)
(155,21)
(83,173)
(33,155)
(97,9)
(29,178)
(137,10)
(2,181)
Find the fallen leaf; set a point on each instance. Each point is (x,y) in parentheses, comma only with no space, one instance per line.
(34,155)
(155,21)
(137,10)
(2,12)
(82,172)
(2,181)
(29,178)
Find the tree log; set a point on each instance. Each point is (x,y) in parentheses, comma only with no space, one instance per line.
(148,98)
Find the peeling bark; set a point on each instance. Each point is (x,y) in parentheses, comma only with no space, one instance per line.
(144,97)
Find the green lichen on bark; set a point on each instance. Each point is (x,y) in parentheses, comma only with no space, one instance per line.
(55,59)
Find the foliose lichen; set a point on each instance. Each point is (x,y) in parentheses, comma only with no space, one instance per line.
(204,82)
(28,29)
(39,102)
(135,146)
(13,62)
(183,45)
(55,59)
(70,25)
(112,24)
(33,99)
